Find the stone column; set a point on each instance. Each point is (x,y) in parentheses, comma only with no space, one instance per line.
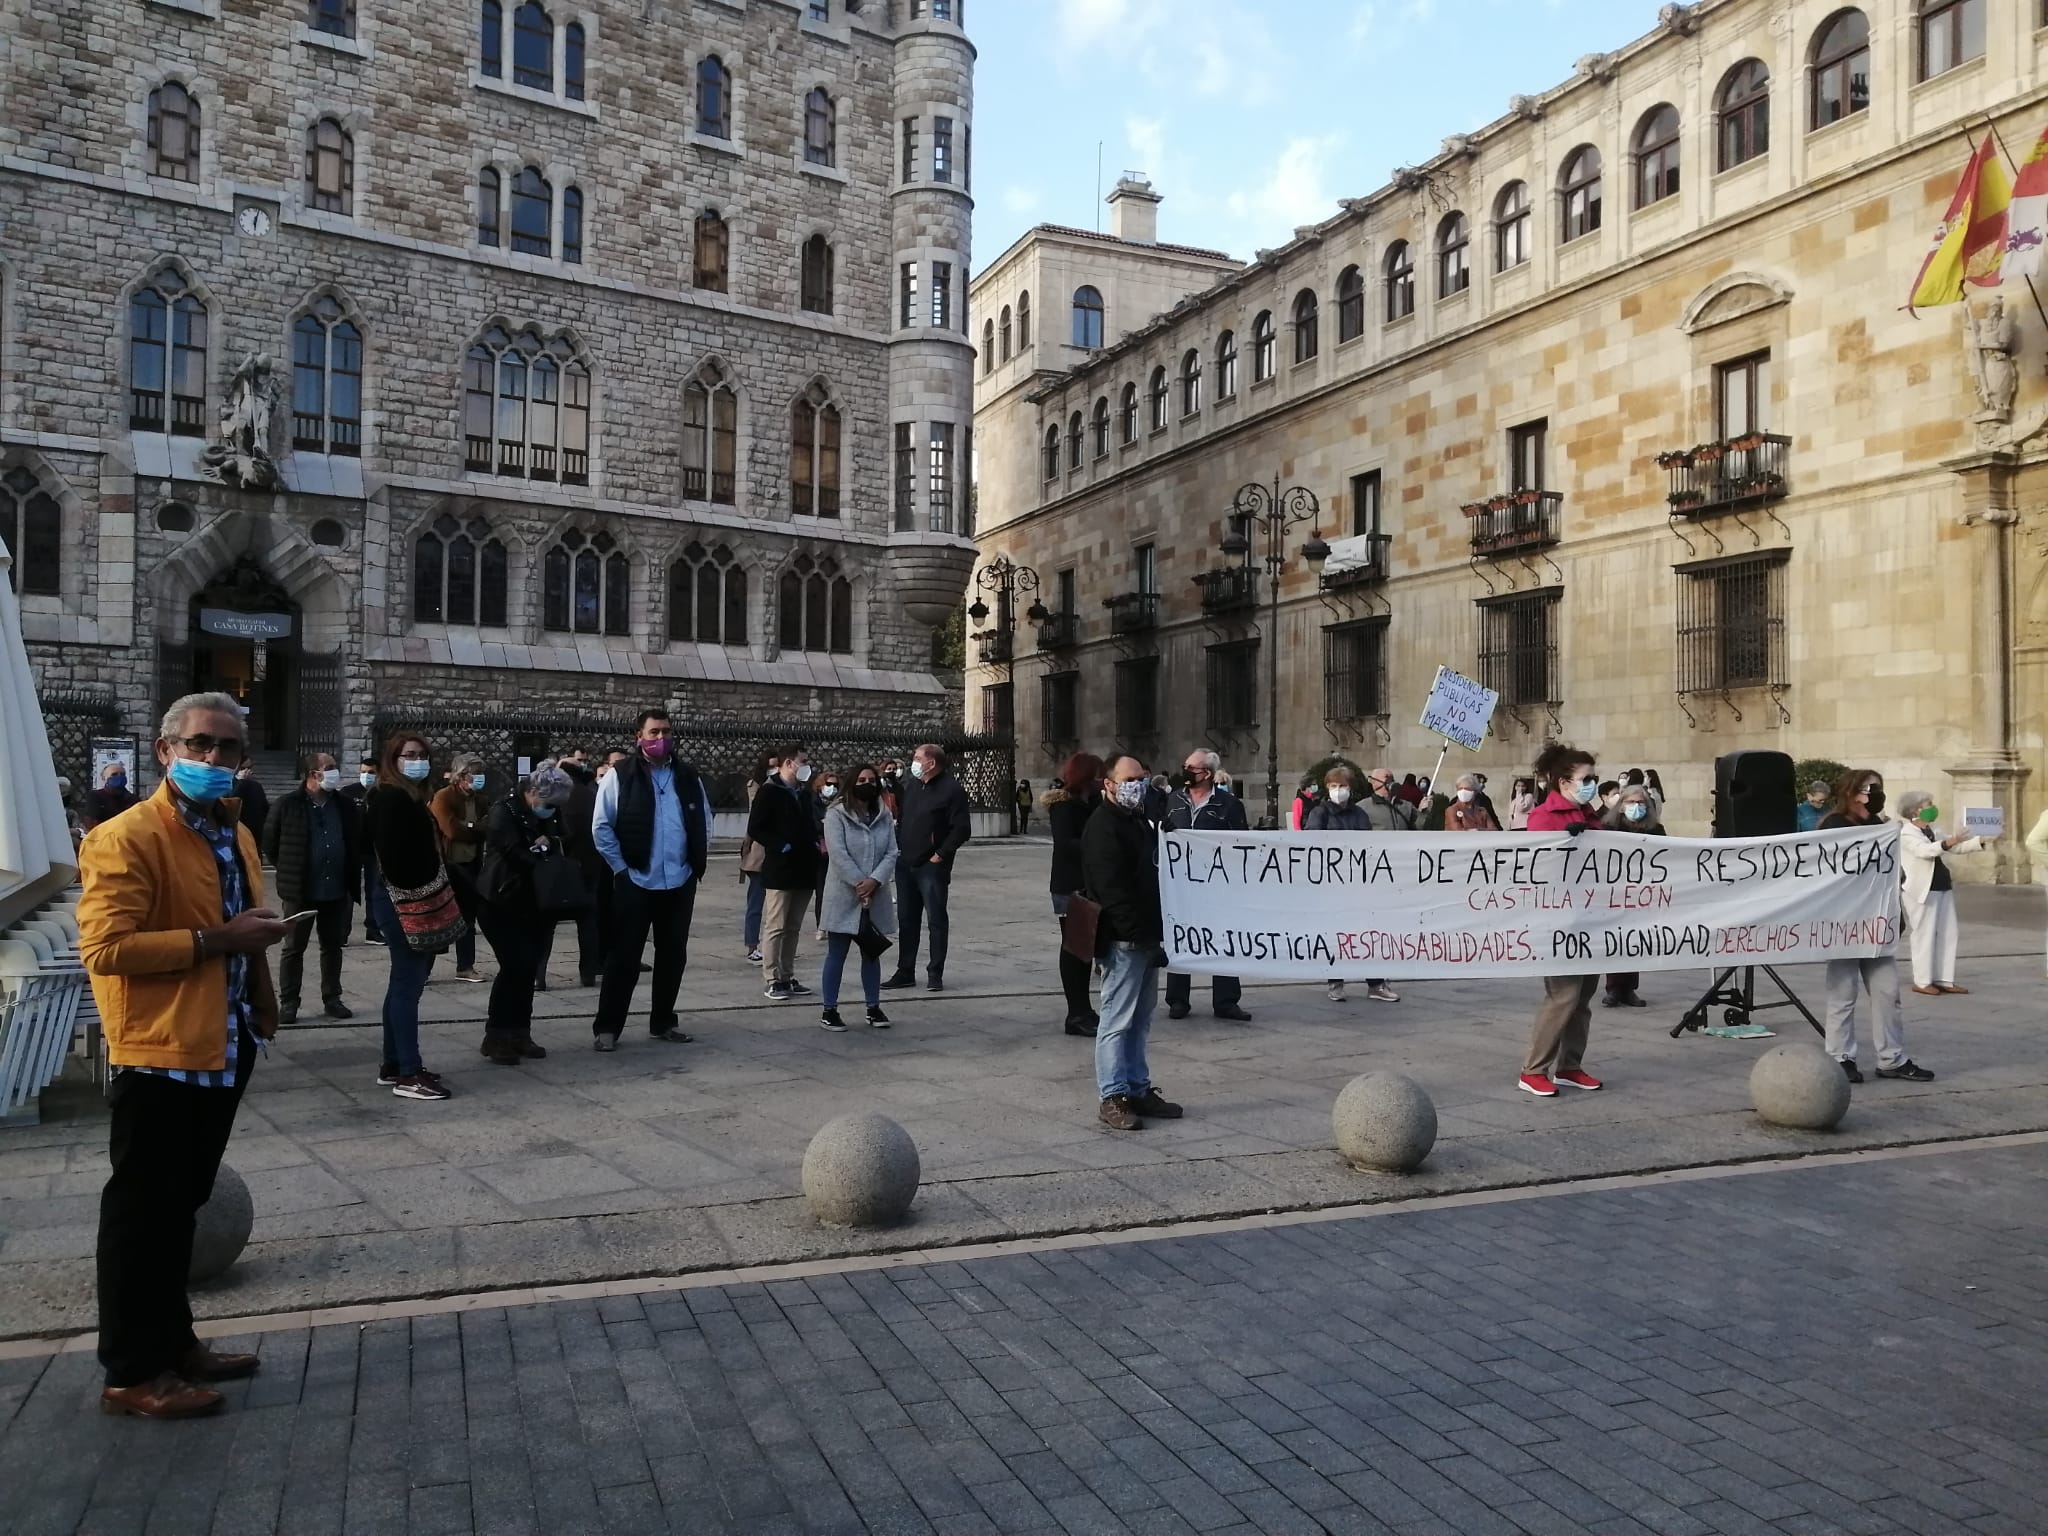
(1992,773)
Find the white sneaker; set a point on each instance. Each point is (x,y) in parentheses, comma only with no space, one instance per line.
(1383,994)
(1336,991)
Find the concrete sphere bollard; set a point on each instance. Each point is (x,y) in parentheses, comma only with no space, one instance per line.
(1384,1122)
(221,1230)
(861,1171)
(1800,1086)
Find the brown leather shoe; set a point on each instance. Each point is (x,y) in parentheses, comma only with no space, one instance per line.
(167,1397)
(1928,991)
(1944,987)
(1115,1112)
(201,1364)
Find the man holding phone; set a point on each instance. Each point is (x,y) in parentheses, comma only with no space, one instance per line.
(314,839)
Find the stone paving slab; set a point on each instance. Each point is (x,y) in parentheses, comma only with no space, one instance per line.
(1828,1347)
(662,1159)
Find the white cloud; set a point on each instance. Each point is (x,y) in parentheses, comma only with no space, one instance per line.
(1292,193)
(1146,137)
(1020,199)
(1083,23)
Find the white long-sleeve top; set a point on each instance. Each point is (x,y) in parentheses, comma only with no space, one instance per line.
(1918,855)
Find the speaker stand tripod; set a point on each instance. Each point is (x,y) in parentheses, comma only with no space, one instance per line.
(1740,1001)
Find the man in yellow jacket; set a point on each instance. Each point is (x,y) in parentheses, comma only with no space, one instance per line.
(172,928)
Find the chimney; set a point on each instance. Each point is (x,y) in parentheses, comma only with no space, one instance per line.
(1134,209)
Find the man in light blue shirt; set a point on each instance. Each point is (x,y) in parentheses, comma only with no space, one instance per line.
(651,824)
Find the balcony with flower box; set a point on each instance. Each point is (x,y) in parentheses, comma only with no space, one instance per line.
(1131,613)
(1229,588)
(1059,631)
(1515,522)
(996,646)
(1713,478)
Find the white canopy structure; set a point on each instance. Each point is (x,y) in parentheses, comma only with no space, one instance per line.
(37,860)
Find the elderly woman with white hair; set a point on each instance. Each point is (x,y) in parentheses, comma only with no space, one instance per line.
(1929,899)
(521,835)
(1467,812)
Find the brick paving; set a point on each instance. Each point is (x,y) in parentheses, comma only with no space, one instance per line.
(1854,1347)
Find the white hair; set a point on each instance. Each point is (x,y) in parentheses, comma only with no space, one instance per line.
(1466,781)
(1912,801)
(1209,758)
(173,725)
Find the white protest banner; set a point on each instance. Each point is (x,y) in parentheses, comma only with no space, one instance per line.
(1458,709)
(1305,907)
(1986,821)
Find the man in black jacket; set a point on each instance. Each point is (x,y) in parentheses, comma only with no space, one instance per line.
(314,838)
(1203,805)
(594,920)
(1119,867)
(784,825)
(931,827)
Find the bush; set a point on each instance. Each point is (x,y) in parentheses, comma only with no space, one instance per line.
(1807,769)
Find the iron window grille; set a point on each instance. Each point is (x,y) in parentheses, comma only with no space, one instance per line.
(1355,670)
(1059,701)
(1731,623)
(1232,694)
(1137,698)
(999,709)
(1518,648)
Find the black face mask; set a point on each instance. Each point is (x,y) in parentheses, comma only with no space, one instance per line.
(1877,802)
(866,794)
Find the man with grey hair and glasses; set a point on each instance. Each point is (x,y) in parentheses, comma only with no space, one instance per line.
(1203,805)
(172,930)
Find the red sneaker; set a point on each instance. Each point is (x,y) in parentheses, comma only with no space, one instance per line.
(1579,1079)
(1538,1084)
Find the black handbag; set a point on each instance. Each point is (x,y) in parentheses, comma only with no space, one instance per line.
(870,940)
(559,887)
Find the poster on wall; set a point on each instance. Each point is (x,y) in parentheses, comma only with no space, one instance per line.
(110,753)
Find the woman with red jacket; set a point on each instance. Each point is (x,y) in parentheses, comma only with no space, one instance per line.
(1558,1041)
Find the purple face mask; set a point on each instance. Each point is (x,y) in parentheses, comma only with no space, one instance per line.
(655,749)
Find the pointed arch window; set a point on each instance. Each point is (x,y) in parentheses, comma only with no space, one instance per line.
(330,167)
(572,225)
(1743,106)
(1265,347)
(489,189)
(1127,415)
(1400,281)
(526,408)
(174,132)
(1226,366)
(458,574)
(1191,382)
(533,208)
(491,38)
(327,381)
(1100,426)
(1350,305)
(572,61)
(1023,321)
(814,455)
(337,18)
(1050,458)
(711,414)
(1579,194)
(1087,318)
(712,250)
(1453,255)
(167,334)
(821,128)
(1656,150)
(707,597)
(32,527)
(533,47)
(1006,334)
(714,98)
(1511,226)
(816,283)
(586,586)
(814,607)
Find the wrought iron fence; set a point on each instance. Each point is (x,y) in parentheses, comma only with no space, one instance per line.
(725,755)
(72,717)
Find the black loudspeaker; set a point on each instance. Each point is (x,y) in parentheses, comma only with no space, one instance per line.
(1754,795)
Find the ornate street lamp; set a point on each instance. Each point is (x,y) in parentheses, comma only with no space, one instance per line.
(1004,578)
(1260,516)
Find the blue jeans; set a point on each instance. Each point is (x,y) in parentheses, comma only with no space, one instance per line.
(757,895)
(921,891)
(836,946)
(409,973)
(1130,991)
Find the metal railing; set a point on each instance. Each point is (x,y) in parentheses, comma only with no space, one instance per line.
(996,646)
(1058,631)
(1514,521)
(1725,476)
(1228,588)
(1132,612)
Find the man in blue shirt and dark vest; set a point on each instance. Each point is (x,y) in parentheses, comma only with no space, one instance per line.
(652,827)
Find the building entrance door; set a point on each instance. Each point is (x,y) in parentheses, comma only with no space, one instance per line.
(245,643)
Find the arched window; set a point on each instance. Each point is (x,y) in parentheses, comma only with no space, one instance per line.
(1350,304)
(816,285)
(1511,226)
(458,574)
(1226,366)
(330,168)
(173,132)
(167,359)
(1075,438)
(526,408)
(1305,326)
(712,250)
(1453,255)
(32,528)
(1157,395)
(821,128)
(1101,424)
(711,429)
(1190,382)
(988,348)
(1743,109)
(707,597)
(586,587)
(1127,415)
(1265,354)
(327,381)
(714,98)
(814,607)
(1840,73)
(572,61)
(533,209)
(1400,281)
(1006,334)
(1951,33)
(1023,321)
(814,455)
(1087,318)
(572,225)
(491,39)
(1051,465)
(1579,194)
(489,191)
(337,18)
(533,47)
(1656,151)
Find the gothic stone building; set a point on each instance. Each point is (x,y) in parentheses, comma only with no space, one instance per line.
(384,359)
(1612,404)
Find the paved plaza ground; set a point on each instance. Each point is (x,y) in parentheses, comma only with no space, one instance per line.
(663,1159)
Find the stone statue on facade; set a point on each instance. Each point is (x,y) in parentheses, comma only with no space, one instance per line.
(241,454)
(1991,343)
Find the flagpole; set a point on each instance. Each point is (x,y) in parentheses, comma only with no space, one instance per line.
(1993,126)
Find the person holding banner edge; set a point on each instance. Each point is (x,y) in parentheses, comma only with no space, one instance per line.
(1202,804)
(1859,802)
(1557,1043)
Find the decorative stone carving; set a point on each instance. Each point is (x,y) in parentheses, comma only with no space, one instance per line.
(1528,108)
(1991,341)
(1682,19)
(1459,145)
(1407,178)
(1594,66)
(241,456)
(1732,297)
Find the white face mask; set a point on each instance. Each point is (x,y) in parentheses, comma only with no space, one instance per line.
(829,792)
(367,780)
(1467,796)
(330,779)
(803,773)
(917,769)
(1339,794)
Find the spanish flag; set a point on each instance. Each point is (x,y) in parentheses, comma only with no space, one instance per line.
(1970,244)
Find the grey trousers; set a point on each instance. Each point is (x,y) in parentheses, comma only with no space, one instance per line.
(782,924)
(1887,1009)
(1558,1042)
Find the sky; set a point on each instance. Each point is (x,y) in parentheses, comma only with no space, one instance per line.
(1250,116)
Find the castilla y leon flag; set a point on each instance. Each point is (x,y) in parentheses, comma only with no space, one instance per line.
(1970,244)
(2028,230)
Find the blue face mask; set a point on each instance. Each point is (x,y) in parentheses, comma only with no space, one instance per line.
(1635,810)
(201,783)
(1584,790)
(543,810)
(477,781)
(415,767)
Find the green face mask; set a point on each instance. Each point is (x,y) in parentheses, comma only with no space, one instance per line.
(1930,812)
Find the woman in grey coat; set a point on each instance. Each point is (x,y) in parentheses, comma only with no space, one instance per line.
(860,877)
